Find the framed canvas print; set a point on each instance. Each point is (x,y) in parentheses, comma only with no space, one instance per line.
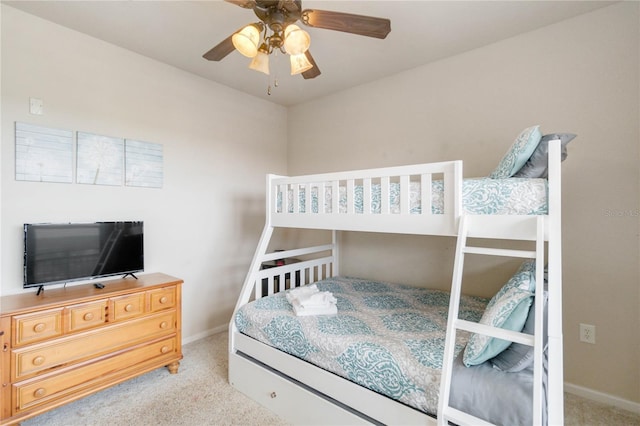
(143,164)
(100,159)
(43,154)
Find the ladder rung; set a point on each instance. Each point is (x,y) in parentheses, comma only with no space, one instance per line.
(500,333)
(460,418)
(531,254)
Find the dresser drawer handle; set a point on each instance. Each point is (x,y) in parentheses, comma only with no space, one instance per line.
(88,316)
(164,324)
(273,395)
(128,308)
(163,300)
(39,360)
(165,349)
(39,327)
(39,393)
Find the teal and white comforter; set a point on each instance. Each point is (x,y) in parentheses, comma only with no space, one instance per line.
(512,196)
(388,338)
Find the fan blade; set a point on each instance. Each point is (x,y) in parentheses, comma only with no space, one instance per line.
(247,4)
(221,50)
(312,72)
(347,22)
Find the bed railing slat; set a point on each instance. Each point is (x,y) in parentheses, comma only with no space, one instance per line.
(351,196)
(321,198)
(335,197)
(425,194)
(405,199)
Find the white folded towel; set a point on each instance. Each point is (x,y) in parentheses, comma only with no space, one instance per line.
(302,311)
(299,292)
(319,299)
(308,300)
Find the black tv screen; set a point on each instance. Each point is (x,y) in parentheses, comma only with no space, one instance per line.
(59,253)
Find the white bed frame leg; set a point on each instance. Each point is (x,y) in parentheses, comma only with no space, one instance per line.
(556,363)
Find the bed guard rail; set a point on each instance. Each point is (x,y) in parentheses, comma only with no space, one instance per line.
(415,199)
(281,270)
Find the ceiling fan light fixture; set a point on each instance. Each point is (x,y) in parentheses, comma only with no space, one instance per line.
(246,40)
(300,64)
(296,40)
(260,62)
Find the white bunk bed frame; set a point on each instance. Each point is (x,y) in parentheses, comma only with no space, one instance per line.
(305,394)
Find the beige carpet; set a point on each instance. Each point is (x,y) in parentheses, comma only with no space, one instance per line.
(201,395)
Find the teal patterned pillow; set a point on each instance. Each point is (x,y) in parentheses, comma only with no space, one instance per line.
(508,309)
(518,154)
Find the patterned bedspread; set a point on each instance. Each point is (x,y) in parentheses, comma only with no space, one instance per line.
(512,196)
(389,338)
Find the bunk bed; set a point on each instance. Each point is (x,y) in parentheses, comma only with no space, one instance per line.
(273,359)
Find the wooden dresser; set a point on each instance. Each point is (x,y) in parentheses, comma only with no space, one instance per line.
(67,343)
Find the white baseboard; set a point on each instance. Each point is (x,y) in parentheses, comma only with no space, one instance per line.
(604,398)
(205,333)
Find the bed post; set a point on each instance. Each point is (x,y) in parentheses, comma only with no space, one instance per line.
(261,250)
(556,366)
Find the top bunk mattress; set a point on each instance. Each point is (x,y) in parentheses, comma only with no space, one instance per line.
(480,196)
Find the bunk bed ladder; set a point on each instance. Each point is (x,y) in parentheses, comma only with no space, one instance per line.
(446,413)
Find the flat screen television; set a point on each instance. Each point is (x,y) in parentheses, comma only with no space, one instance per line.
(60,253)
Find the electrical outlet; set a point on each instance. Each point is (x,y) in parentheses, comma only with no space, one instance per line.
(588,333)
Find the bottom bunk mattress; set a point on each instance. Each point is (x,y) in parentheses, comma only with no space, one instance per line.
(388,338)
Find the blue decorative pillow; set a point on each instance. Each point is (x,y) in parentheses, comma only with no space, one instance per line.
(517,356)
(518,154)
(508,309)
(537,165)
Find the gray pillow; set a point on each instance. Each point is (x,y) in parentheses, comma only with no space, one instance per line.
(517,356)
(536,166)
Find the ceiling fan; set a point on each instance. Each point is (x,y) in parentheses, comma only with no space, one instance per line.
(276,31)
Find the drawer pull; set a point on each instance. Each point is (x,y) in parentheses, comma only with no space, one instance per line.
(163,300)
(128,308)
(273,394)
(39,327)
(88,316)
(39,393)
(165,349)
(39,360)
(164,324)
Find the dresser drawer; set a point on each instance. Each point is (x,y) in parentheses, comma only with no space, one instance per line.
(126,307)
(39,391)
(86,315)
(68,350)
(163,298)
(37,326)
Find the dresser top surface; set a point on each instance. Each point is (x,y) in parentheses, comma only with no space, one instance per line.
(85,292)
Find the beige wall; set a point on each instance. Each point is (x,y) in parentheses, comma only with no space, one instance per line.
(579,76)
(204,224)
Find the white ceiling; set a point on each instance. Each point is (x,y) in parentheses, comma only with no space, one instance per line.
(180,32)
